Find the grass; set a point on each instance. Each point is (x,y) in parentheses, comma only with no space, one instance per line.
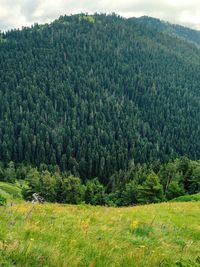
(10,191)
(166,234)
(187,198)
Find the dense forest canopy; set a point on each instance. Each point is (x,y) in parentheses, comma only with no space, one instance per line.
(93,94)
(182,32)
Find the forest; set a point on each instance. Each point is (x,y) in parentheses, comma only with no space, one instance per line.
(104,107)
(139,184)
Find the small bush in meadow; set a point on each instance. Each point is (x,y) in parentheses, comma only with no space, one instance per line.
(2,200)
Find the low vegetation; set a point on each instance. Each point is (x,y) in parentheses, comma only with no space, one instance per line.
(3,200)
(166,234)
(187,198)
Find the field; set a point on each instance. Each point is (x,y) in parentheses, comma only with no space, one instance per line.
(165,234)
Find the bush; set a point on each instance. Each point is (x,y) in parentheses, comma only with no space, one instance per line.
(95,192)
(175,190)
(3,200)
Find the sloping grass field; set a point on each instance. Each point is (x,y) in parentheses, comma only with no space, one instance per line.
(10,191)
(166,234)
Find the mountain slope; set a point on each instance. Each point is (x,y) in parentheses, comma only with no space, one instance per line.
(185,33)
(91,93)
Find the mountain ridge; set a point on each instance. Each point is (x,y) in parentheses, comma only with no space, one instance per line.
(183,32)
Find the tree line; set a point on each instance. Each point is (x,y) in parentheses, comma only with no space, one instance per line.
(139,184)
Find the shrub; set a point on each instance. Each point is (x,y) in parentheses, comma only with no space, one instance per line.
(2,200)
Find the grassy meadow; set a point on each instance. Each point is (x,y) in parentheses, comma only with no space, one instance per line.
(166,234)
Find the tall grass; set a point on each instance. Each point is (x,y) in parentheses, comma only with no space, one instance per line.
(165,234)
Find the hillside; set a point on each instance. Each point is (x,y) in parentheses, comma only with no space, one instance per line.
(185,33)
(92,93)
(64,235)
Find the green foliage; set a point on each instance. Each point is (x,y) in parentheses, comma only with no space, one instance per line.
(2,39)
(10,174)
(138,184)
(40,182)
(91,94)
(33,179)
(185,33)
(194,181)
(3,200)
(94,193)
(47,186)
(72,190)
(175,190)
(88,18)
(130,193)
(10,190)
(187,198)
(151,191)
(154,183)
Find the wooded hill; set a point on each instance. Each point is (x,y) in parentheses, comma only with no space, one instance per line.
(182,32)
(93,93)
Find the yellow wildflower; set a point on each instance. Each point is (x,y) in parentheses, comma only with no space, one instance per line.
(85,224)
(134,225)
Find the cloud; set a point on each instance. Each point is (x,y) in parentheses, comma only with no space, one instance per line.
(18,13)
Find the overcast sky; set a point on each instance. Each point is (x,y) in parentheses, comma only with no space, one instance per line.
(17,13)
